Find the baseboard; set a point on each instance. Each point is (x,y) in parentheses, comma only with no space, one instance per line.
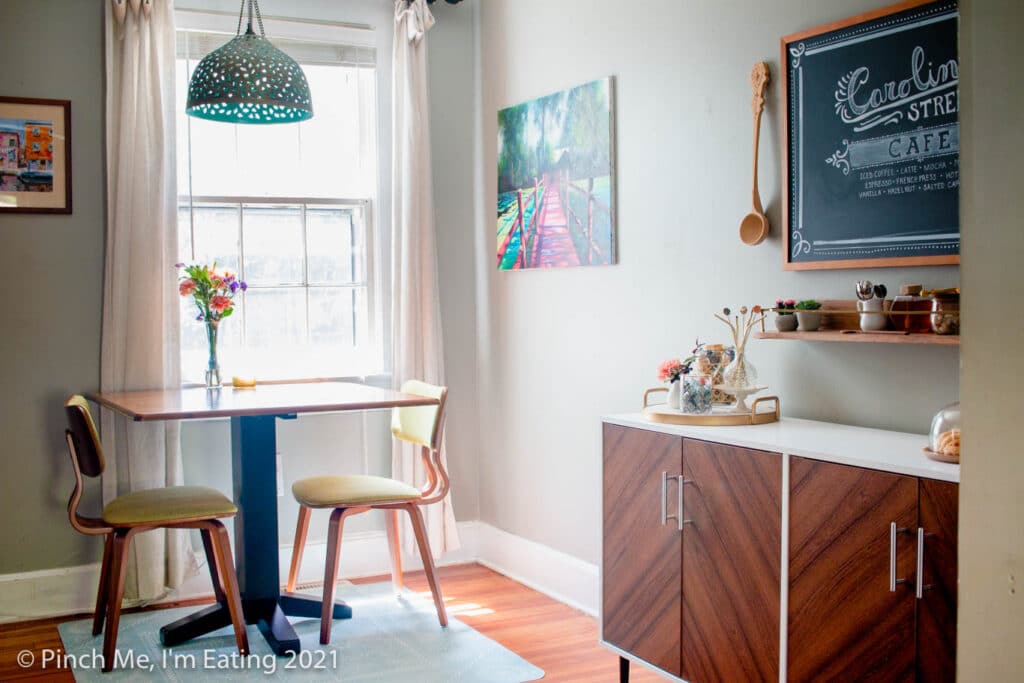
(558,575)
(72,590)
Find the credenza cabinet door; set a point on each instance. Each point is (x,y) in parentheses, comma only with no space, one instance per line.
(642,551)
(936,608)
(732,543)
(845,622)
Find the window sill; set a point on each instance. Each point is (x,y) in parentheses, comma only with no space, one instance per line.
(383,381)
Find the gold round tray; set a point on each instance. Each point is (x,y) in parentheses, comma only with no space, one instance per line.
(720,416)
(941,457)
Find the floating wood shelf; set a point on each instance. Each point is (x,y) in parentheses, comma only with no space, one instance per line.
(864,337)
(840,322)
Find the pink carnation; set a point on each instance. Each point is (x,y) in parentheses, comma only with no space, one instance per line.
(187,287)
(669,370)
(220,303)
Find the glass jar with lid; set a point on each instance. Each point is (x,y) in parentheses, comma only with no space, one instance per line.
(910,311)
(944,439)
(945,318)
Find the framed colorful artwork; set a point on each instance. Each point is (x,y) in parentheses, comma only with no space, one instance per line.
(35,155)
(556,180)
(872,140)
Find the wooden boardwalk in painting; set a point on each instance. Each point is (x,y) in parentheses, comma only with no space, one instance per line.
(552,244)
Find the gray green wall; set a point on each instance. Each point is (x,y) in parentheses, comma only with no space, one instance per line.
(53,267)
(52,270)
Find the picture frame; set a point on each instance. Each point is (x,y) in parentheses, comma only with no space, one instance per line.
(871,159)
(35,155)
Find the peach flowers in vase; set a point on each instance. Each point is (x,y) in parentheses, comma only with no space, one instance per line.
(213,293)
(740,373)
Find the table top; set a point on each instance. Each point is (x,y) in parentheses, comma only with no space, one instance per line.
(263,399)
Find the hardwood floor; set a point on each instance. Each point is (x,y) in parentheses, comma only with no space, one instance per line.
(559,639)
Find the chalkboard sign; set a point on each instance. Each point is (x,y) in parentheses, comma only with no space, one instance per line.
(872,162)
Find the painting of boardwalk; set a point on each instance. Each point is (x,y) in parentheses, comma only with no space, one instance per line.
(555,180)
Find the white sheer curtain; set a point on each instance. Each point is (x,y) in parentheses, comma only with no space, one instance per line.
(140,348)
(415,307)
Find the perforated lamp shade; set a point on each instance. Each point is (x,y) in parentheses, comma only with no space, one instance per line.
(248,80)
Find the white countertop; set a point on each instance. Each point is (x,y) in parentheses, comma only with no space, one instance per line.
(875,449)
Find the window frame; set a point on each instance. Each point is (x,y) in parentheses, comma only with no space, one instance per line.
(356,35)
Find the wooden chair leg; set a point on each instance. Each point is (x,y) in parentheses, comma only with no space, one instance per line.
(225,564)
(394,549)
(331,572)
(300,544)
(102,593)
(211,561)
(428,561)
(118,571)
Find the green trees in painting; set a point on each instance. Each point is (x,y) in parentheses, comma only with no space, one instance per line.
(571,128)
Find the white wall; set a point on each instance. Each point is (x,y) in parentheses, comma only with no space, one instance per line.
(991,643)
(558,348)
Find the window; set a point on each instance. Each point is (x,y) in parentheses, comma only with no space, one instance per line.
(289,208)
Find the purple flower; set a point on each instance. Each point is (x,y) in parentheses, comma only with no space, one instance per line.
(179,264)
(199,317)
(243,285)
(233,286)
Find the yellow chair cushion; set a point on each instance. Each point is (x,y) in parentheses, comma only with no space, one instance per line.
(416,424)
(169,504)
(351,489)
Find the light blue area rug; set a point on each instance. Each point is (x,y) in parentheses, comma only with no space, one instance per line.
(389,639)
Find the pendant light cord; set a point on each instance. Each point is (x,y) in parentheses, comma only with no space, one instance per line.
(251,4)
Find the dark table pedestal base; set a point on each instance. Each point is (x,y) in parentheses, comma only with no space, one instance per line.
(268,615)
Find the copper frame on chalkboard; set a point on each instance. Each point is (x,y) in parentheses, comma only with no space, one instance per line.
(787,236)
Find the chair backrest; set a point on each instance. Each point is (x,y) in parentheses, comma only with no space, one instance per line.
(86,458)
(424,426)
(87,452)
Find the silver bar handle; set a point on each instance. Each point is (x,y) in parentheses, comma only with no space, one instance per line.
(678,516)
(893,581)
(664,498)
(919,590)
(680,522)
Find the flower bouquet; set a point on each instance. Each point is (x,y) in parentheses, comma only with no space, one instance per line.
(213,293)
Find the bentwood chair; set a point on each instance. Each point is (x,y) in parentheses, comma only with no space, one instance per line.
(351,494)
(173,507)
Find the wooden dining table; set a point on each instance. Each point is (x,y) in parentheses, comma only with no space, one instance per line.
(254,413)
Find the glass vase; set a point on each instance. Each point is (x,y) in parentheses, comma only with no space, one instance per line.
(740,373)
(696,395)
(213,366)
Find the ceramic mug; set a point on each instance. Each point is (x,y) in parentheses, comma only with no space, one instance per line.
(872,315)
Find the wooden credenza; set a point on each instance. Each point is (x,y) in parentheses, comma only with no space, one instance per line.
(713,552)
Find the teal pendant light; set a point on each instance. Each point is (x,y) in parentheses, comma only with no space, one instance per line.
(248,80)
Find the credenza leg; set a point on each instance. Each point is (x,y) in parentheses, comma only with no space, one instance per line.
(623,670)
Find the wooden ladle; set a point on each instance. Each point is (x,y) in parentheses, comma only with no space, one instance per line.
(754,226)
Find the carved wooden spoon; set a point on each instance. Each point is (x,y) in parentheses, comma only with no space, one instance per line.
(754,226)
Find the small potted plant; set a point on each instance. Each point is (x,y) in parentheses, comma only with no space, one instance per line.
(785,321)
(808,315)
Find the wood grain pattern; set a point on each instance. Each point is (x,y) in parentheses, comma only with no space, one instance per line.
(936,611)
(642,558)
(731,563)
(844,623)
(863,337)
(264,399)
(555,637)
